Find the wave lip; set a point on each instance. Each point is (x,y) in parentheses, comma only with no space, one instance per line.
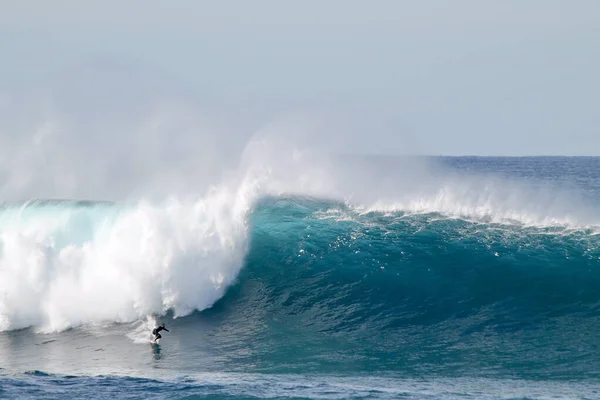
(494,202)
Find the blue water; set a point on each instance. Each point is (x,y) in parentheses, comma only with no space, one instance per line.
(466,297)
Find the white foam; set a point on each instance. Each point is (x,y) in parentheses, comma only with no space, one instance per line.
(178,255)
(141,333)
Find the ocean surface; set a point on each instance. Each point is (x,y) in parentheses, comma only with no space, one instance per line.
(478,280)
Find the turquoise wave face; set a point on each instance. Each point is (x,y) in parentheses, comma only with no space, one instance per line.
(326,288)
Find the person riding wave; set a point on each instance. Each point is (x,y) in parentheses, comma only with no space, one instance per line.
(156,330)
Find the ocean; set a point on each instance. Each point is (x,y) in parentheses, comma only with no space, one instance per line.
(477,279)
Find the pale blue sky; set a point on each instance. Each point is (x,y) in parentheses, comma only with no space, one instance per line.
(513,77)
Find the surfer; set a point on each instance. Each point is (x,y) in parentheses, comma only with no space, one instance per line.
(156,330)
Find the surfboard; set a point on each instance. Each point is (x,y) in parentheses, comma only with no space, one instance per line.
(154,341)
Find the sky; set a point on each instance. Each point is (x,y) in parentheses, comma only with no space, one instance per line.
(428,77)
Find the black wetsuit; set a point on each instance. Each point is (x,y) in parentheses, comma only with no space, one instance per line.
(156,330)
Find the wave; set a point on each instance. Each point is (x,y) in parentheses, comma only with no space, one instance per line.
(68,263)
(289,283)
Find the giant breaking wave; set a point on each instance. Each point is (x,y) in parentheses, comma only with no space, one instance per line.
(68,263)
